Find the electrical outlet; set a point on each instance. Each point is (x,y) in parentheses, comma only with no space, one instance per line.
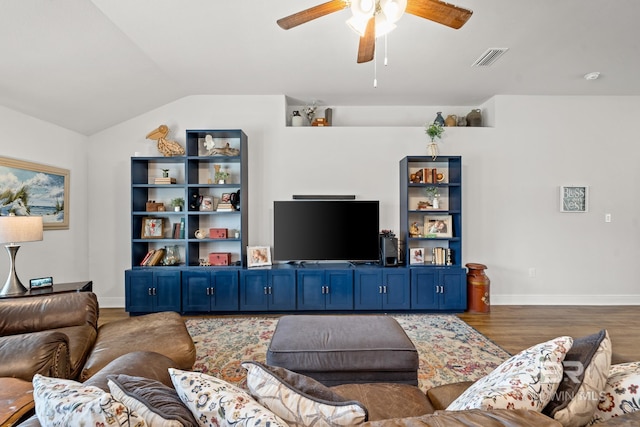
(607,217)
(532,272)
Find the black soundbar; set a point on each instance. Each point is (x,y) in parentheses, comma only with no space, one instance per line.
(324,197)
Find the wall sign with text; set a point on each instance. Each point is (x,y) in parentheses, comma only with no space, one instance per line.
(574,198)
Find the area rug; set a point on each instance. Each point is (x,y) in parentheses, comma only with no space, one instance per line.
(449,349)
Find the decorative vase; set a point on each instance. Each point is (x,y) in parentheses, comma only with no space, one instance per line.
(478,288)
(474,118)
(451,120)
(296,119)
(462,121)
(439,119)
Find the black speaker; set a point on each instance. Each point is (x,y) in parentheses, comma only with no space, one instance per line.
(388,251)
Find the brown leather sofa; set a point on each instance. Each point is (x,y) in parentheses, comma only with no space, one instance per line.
(58,336)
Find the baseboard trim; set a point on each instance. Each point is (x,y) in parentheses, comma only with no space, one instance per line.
(565,299)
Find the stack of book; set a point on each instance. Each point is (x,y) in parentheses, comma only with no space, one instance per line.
(441,256)
(153,257)
(225,207)
(164,180)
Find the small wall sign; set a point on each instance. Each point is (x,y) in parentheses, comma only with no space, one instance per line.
(574,198)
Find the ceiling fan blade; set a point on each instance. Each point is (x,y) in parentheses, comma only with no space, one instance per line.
(310,14)
(440,12)
(367,46)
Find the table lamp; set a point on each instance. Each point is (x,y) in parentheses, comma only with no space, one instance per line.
(17,229)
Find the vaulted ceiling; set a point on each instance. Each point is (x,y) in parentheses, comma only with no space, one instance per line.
(87,65)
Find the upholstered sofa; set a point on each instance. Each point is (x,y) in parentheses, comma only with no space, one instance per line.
(57,335)
(295,398)
(386,404)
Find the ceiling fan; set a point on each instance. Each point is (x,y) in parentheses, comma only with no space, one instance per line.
(373,18)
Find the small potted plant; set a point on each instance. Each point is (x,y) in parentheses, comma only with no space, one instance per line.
(432,193)
(219,176)
(177,203)
(434,130)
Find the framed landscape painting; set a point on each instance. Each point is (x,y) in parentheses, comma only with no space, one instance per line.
(28,188)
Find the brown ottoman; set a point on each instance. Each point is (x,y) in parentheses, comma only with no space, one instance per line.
(344,349)
(163,333)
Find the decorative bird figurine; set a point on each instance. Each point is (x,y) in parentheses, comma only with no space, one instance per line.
(167,148)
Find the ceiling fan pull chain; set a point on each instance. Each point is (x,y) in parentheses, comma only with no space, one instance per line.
(375,72)
(386,62)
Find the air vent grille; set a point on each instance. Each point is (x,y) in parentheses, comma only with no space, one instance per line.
(490,56)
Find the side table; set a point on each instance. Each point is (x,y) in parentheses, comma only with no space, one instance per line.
(58,288)
(16,400)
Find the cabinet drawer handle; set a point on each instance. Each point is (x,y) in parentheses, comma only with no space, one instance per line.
(212,291)
(149,291)
(384,288)
(379,289)
(266,290)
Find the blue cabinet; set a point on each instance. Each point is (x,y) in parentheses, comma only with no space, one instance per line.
(382,289)
(325,289)
(205,291)
(438,289)
(267,290)
(149,291)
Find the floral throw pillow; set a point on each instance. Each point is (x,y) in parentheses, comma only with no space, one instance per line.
(62,402)
(525,381)
(215,402)
(299,400)
(621,393)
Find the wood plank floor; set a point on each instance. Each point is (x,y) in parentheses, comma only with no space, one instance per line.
(515,328)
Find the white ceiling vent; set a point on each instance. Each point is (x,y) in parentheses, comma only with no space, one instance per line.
(490,56)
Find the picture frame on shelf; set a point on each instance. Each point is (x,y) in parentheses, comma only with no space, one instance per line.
(258,256)
(416,256)
(152,228)
(41,282)
(574,198)
(206,205)
(438,226)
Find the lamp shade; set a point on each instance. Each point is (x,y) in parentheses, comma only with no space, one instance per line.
(16,229)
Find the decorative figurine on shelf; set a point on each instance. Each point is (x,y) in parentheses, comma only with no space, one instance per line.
(434,130)
(414,231)
(166,148)
(212,150)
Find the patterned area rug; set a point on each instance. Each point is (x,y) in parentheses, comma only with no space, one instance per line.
(449,349)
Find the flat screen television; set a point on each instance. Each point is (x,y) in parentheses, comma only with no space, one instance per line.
(326,230)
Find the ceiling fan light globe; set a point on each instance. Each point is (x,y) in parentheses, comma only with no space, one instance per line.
(358,25)
(393,9)
(363,8)
(383,25)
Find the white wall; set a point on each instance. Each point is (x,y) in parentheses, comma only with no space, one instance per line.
(511,174)
(62,253)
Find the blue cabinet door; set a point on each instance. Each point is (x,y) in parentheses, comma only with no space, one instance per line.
(167,294)
(224,292)
(339,294)
(138,291)
(195,291)
(424,293)
(282,290)
(311,288)
(367,289)
(454,295)
(253,290)
(396,290)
